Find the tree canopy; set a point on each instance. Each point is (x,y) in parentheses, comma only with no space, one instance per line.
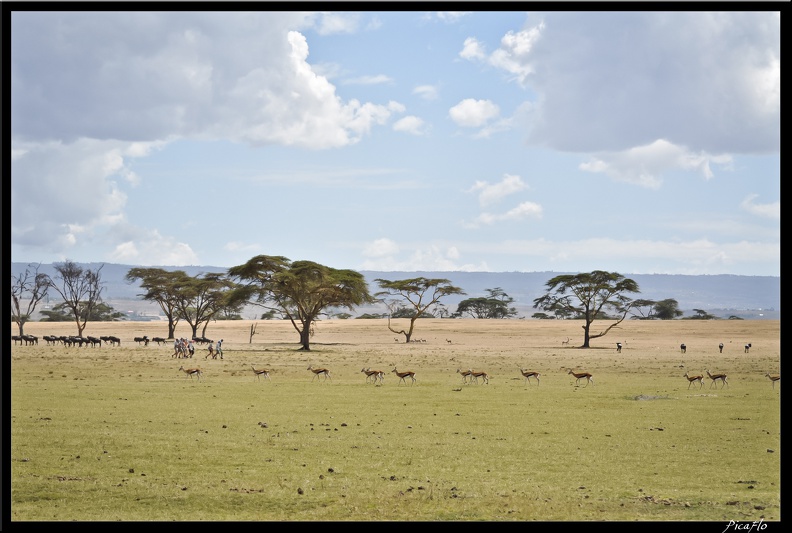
(301,290)
(494,305)
(590,296)
(419,293)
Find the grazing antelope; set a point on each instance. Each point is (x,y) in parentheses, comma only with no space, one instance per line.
(475,375)
(402,375)
(192,371)
(318,372)
(261,372)
(582,375)
(773,378)
(692,379)
(448,341)
(565,343)
(465,374)
(717,377)
(528,374)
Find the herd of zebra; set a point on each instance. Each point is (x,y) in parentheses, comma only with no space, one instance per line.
(77,340)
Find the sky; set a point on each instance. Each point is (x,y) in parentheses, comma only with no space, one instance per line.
(503,141)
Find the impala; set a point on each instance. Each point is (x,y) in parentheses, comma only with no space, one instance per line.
(692,379)
(402,375)
(192,371)
(773,378)
(582,375)
(465,374)
(528,374)
(475,375)
(318,372)
(565,343)
(716,377)
(261,372)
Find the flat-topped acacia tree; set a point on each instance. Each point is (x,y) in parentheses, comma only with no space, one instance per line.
(421,293)
(590,296)
(301,290)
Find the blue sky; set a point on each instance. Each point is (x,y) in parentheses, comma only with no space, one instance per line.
(637,142)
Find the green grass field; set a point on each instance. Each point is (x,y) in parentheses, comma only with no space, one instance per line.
(120,434)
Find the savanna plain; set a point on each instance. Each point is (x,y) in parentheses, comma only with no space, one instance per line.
(120,433)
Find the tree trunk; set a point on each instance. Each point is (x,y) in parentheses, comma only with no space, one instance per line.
(305,338)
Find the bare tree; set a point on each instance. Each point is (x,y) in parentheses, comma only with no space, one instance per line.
(80,288)
(31,287)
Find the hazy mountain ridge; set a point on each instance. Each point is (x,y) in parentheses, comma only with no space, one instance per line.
(747,296)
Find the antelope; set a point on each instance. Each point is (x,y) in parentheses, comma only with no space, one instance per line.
(528,374)
(717,377)
(565,343)
(692,379)
(465,375)
(583,375)
(448,341)
(475,375)
(261,372)
(318,372)
(192,371)
(373,374)
(773,378)
(402,375)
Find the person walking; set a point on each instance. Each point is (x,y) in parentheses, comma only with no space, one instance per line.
(219,348)
(211,351)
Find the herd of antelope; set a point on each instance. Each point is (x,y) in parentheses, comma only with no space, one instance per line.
(471,376)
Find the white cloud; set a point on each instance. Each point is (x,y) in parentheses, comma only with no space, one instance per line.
(644,165)
(489,194)
(427,92)
(432,257)
(410,124)
(369,80)
(381,248)
(471,113)
(706,80)
(771,210)
(521,212)
(152,249)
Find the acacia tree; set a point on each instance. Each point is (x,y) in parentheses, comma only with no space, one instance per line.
(301,290)
(160,287)
(81,290)
(590,296)
(420,293)
(198,299)
(31,285)
(494,305)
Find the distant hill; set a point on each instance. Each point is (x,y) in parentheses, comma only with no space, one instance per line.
(723,295)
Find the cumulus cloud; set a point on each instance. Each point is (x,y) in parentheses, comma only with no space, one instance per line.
(472,113)
(410,124)
(522,211)
(707,80)
(644,165)
(152,249)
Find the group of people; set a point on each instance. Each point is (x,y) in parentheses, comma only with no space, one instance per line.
(214,351)
(186,348)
